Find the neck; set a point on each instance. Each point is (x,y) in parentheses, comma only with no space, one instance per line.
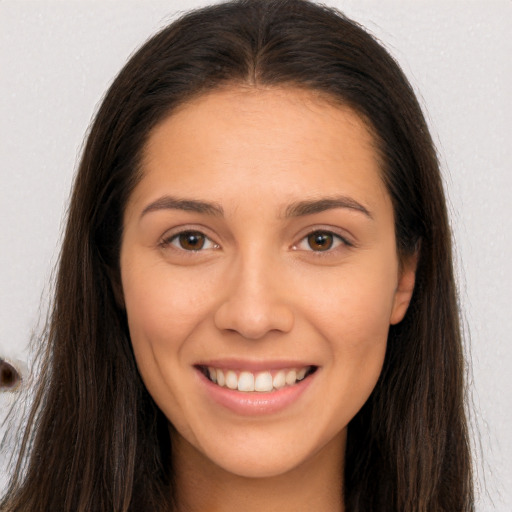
(315,485)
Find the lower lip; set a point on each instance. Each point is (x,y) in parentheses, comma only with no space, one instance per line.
(255,403)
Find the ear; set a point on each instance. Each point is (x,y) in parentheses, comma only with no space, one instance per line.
(405,287)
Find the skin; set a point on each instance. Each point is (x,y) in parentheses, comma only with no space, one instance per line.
(259,291)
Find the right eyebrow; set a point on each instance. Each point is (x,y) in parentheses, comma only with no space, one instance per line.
(310,207)
(189,205)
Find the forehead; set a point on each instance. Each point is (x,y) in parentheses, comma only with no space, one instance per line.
(296,113)
(253,138)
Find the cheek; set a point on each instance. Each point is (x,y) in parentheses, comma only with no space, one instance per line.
(162,310)
(352,314)
(162,306)
(355,308)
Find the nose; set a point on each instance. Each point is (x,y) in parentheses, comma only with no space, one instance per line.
(254,301)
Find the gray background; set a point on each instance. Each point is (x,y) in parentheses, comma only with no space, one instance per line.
(58,57)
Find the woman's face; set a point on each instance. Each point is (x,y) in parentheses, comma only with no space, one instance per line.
(259,252)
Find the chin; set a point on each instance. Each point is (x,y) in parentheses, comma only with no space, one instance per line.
(258,467)
(263,455)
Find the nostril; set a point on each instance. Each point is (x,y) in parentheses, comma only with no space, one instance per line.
(9,376)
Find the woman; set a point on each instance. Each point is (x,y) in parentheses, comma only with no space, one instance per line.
(255,304)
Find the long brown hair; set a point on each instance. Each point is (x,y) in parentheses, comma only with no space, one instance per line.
(95,440)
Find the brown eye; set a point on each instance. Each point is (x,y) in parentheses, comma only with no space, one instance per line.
(320,240)
(191,240)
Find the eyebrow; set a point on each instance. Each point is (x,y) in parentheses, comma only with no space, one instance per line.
(310,207)
(189,205)
(297,209)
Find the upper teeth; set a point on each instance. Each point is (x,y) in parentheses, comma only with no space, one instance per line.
(261,381)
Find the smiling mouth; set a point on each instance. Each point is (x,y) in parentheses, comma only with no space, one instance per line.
(265,381)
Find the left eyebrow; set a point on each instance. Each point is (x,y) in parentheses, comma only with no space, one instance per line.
(189,205)
(310,207)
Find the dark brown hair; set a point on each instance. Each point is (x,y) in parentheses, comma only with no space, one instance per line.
(95,440)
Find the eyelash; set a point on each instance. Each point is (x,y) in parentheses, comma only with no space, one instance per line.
(335,241)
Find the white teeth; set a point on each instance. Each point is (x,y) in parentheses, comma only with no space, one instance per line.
(221,380)
(291,377)
(231,380)
(279,380)
(262,382)
(246,381)
(301,373)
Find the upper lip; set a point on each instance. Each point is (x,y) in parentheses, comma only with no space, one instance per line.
(253,366)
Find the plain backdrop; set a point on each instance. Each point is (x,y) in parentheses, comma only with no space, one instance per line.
(58,57)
